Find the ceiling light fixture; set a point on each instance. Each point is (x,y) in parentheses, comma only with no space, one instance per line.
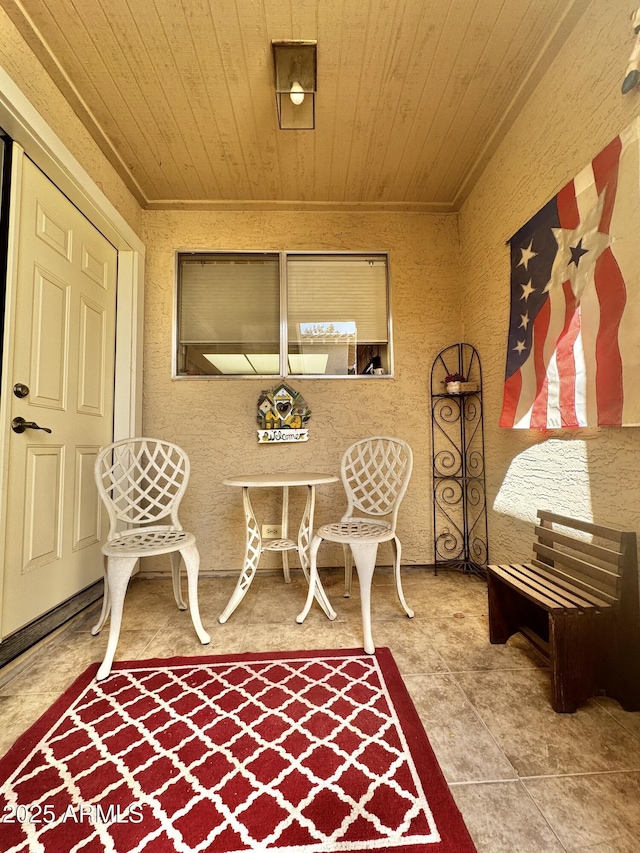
(296,94)
(296,83)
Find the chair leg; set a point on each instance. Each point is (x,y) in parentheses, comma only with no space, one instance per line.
(348,570)
(119,571)
(313,578)
(106,604)
(175,576)
(364,554)
(397,547)
(191,558)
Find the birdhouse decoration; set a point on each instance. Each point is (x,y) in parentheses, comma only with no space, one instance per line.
(282,416)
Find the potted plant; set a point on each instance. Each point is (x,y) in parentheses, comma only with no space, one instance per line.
(452,383)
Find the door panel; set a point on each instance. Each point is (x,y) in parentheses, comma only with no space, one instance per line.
(42,502)
(94,267)
(49,340)
(65,308)
(87,508)
(54,232)
(92,361)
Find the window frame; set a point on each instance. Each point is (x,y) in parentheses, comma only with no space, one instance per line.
(284,373)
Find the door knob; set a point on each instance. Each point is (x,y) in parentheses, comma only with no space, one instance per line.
(20,425)
(20,389)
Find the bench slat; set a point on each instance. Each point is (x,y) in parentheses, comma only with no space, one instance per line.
(526,584)
(615,534)
(573,585)
(602,580)
(559,591)
(606,555)
(562,593)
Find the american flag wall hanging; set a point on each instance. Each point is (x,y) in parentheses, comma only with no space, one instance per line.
(573,355)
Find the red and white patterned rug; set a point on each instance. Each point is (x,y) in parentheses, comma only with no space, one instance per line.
(297,752)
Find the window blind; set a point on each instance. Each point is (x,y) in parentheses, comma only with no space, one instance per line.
(229,300)
(338,289)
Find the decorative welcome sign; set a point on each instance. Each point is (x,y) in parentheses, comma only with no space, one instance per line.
(282,414)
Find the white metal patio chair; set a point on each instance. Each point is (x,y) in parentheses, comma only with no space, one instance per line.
(141,482)
(375,474)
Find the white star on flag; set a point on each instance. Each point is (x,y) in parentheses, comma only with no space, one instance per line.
(592,244)
(527,290)
(527,254)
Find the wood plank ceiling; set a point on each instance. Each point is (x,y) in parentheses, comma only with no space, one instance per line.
(413,96)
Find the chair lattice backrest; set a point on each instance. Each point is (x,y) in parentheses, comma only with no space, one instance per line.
(141,481)
(375,474)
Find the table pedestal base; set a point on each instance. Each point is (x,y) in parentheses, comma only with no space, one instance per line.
(255,547)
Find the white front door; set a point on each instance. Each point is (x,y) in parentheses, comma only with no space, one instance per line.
(63,380)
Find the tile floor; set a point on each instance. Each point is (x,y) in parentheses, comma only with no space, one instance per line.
(527,780)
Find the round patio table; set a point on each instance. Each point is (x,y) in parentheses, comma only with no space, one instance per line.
(255,544)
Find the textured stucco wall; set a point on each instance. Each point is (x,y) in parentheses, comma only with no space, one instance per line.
(215,421)
(20,63)
(575,111)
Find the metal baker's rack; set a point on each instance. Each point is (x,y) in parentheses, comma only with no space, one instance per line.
(457,439)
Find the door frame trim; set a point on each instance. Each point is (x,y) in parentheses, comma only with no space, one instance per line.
(30,132)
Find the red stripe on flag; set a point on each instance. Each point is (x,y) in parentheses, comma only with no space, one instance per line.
(568,212)
(540,329)
(565,358)
(512,389)
(612,296)
(605,172)
(569,216)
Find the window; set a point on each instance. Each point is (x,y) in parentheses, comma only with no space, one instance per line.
(282,314)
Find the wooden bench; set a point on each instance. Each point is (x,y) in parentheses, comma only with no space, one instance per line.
(577,602)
